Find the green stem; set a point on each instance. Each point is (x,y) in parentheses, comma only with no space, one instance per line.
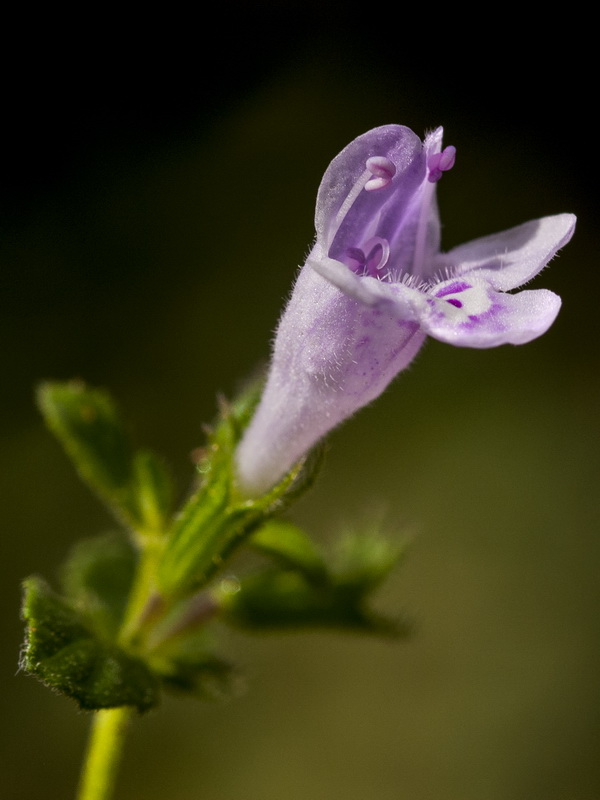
(142,589)
(109,727)
(104,753)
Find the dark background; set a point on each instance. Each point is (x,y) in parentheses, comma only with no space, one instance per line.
(156,196)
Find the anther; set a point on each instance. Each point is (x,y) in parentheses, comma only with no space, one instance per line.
(440,162)
(382,170)
(370,259)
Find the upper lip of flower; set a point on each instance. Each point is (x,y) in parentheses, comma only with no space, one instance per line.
(378,240)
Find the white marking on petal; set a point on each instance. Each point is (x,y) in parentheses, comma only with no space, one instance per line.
(465,302)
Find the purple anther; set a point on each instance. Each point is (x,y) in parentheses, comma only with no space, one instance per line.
(448,158)
(370,259)
(355,259)
(441,162)
(382,169)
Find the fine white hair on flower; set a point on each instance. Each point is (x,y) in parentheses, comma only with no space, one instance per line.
(374,286)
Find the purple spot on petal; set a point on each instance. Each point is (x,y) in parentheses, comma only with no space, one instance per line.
(453,288)
(454,302)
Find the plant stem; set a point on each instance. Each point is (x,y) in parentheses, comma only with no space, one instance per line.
(141,590)
(109,726)
(104,753)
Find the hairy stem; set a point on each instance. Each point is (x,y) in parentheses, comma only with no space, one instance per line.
(109,727)
(141,591)
(104,753)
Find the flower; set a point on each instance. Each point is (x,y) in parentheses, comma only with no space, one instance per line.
(375,285)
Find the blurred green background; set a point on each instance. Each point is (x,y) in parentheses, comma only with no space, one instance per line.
(156,200)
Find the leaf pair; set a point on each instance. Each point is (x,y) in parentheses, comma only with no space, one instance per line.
(302,590)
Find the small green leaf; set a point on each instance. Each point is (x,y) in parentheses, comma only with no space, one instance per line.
(62,652)
(153,489)
(364,560)
(136,487)
(279,600)
(291,546)
(87,424)
(97,579)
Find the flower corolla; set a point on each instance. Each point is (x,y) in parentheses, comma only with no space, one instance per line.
(376,284)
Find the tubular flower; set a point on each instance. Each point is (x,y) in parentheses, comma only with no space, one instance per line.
(376,284)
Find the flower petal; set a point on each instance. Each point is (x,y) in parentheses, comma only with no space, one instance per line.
(332,356)
(344,209)
(343,278)
(476,316)
(509,259)
(398,299)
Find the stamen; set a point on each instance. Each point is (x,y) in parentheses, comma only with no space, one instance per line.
(382,169)
(437,163)
(377,174)
(378,252)
(370,259)
(355,259)
(440,162)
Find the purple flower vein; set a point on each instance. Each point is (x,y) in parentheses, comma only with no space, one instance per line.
(376,284)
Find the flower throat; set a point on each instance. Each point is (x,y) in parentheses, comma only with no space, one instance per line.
(371,258)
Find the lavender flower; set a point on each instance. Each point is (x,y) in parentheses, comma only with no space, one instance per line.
(376,284)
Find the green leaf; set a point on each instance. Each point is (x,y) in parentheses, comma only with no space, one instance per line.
(97,579)
(153,490)
(87,423)
(279,600)
(62,652)
(365,559)
(290,546)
